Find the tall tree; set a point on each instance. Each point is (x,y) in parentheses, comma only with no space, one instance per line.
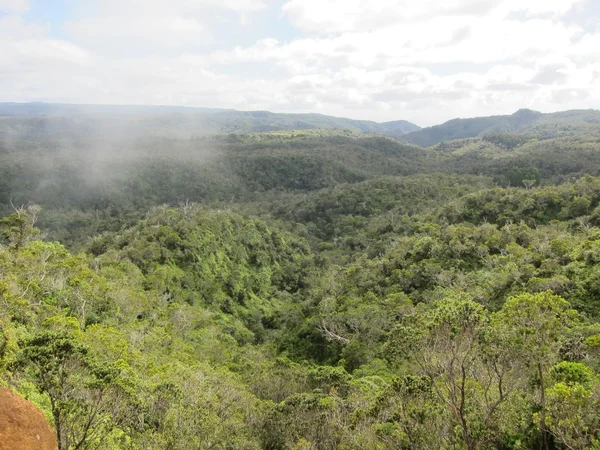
(87,401)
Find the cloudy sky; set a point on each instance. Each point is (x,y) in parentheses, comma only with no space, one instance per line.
(421,60)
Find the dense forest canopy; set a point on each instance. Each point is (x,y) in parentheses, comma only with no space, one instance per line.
(302,287)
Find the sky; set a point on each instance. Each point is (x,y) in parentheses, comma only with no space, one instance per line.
(426,61)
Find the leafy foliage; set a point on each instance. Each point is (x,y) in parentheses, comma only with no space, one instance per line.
(305,289)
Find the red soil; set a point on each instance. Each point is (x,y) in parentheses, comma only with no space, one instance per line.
(22,425)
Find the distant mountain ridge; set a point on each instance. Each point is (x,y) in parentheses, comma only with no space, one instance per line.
(182,121)
(208,120)
(521,120)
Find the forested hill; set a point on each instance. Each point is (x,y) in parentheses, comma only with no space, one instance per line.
(301,289)
(522,120)
(182,121)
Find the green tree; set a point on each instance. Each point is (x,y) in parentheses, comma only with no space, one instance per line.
(87,402)
(19,227)
(523,176)
(536,326)
(444,342)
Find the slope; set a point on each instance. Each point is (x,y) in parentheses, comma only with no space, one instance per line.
(186,122)
(523,119)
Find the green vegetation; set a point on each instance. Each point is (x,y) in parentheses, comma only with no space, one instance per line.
(176,121)
(304,289)
(500,127)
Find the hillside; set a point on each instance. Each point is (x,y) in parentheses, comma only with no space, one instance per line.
(296,289)
(22,425)
(521,121)
(89,180)
(186,122)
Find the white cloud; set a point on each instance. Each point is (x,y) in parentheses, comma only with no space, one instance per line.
(424,61)
(14,28)
(13,6)
(487,41)
(162,7)
(134,27)
(120,32)
(377,57)
(335,16)
(555,7)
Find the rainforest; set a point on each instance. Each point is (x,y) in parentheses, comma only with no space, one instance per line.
(180,279)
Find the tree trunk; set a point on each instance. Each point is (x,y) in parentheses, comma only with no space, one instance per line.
(543,430)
